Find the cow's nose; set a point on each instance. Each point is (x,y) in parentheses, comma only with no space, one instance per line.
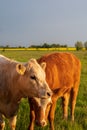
(43,123)
(49,94)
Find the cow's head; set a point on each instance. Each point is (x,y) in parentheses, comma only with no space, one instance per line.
(32,79)
(41,108)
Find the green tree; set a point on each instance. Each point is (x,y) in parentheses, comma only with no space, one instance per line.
(79,45)
(45,45)
(85,45)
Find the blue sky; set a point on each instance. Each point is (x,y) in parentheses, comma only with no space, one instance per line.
(27,22)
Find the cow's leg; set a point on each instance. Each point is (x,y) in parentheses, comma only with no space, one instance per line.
(2,122)
(51,115)
(12,122)
(2,125)
(74,93)
(32,120)
(65,102)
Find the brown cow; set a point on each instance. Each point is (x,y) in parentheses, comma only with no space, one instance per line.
(18,80)
(63,76)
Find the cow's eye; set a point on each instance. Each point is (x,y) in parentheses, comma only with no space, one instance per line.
(33,77)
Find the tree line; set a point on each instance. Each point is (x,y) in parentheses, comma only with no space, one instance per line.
(79,45)
(46,45)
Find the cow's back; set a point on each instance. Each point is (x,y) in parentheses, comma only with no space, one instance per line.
(62,70)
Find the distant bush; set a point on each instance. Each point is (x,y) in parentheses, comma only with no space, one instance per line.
(85,45)
(79,45)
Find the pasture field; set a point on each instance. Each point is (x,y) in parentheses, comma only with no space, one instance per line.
(81,105)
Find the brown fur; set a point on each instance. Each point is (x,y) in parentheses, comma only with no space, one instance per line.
(63,76)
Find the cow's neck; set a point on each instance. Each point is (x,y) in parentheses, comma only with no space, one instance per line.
(16,98)
(15,86)
(10,91)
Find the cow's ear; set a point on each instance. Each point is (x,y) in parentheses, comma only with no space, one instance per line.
(20,69)
(43,65)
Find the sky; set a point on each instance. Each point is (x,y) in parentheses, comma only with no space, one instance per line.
(34,22)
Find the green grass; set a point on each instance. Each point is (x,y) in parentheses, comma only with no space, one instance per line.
(81,106)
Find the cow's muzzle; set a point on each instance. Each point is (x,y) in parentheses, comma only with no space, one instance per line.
(47,94)
(42,123)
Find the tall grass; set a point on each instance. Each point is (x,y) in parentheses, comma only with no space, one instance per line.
(81,106)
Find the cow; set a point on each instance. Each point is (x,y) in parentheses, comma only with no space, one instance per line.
(17,81)
(63,77)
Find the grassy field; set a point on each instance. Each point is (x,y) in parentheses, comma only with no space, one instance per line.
(81,106)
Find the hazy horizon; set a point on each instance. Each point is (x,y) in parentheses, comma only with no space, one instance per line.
(25,23)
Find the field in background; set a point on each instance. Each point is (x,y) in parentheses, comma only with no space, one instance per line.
(81,106)
(43,49)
